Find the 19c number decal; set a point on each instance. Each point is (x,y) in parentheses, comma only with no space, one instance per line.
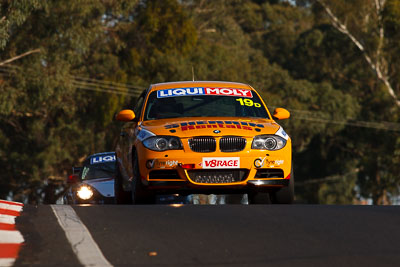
(248,102)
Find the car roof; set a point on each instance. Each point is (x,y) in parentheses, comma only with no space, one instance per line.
(160,86)
(101,154)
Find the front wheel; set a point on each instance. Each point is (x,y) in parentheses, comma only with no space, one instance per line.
(284,195)
(121,196)
(139,194)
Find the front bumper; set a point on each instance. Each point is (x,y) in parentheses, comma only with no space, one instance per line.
(185,186)
(184,170)
(72,197)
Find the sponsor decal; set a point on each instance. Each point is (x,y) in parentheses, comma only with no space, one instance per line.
(102,159)
(190,91)
(194,125)
(248,102)
(259,163)
(167,163)
(221,163)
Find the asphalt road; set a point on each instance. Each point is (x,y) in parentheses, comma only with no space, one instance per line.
(220,235)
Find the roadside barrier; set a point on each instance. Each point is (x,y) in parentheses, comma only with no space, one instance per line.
(10,238)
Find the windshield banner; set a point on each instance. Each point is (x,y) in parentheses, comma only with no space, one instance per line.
(191,91)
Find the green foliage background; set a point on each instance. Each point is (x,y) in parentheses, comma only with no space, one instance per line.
(57,105)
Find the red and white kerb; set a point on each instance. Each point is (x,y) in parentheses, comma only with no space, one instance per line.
(10,238)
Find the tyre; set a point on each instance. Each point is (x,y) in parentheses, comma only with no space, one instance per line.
(284,195)
(121,196)
(139,195)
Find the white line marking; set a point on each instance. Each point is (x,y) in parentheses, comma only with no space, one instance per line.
(7,219)
(10,207)
(5,262)
(11,237)
(85,248)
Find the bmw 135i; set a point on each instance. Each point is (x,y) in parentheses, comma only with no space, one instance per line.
(203,137)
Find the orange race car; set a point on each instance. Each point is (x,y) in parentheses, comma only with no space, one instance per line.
(203,137)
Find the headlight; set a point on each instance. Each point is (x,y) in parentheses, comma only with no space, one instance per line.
(268,142)
(161,143)
(85,192)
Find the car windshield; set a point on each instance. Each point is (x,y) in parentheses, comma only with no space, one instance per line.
(204,102)
(99,167)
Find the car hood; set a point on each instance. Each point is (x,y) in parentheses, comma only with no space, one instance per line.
(211,126)
(105,186)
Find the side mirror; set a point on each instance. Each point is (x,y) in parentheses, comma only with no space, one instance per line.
(125,115)
(72,179)
(281,114)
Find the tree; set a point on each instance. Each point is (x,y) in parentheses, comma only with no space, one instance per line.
(370,39)
(43,128)
(13,14)
(157,42)
(316,51)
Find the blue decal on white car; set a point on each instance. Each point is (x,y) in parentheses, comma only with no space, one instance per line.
(102,159)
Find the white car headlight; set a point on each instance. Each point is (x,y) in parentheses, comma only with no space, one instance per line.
(268,142)
(85,192)
(162,143)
